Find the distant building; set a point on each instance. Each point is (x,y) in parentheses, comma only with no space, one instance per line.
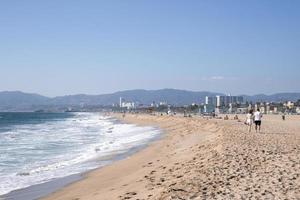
(230,110)
(128,105)
(120,102)
(210,100)
(275,110)
(209,108)
(262,109)
(125,104)
(154,105)
(219,101)
(268,110)
(163,103)
(224,101)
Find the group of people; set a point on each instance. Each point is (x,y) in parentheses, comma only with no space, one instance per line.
(254,117)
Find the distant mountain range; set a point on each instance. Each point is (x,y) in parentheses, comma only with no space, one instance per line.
(278,97)
(16,100)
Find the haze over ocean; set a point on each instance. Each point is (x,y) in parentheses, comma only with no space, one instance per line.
(95,47)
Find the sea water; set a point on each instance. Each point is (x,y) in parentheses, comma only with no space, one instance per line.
(39,147)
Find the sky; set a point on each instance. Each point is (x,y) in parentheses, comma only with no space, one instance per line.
(63,47)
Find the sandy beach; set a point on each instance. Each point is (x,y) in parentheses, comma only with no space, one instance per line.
(201,158)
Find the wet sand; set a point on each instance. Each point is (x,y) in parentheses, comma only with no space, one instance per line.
(40,190)
(202,159)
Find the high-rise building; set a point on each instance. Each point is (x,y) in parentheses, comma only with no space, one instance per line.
(223,101)
(210,100)
(120,102)
(218,101)
(228,100)
(240,99)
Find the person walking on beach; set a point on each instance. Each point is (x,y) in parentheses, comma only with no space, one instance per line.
(249,120)
(283,116)
(257,120)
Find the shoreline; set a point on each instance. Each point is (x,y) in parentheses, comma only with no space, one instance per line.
(201,158)
(43,190)
(113,175)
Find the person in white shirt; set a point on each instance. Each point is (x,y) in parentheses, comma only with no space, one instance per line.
(257,120)
(249,120)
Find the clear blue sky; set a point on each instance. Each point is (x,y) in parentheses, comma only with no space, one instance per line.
(63,47)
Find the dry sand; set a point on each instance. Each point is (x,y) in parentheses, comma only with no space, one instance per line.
(202,159)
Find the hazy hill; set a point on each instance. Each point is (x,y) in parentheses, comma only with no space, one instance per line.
(279,97)
(172,96)
(25,101)
(17,99)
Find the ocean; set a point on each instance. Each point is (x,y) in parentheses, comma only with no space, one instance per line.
(36,148)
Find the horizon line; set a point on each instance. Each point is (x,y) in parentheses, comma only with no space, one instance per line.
(186,90)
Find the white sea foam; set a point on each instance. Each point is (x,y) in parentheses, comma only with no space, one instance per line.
(36,153)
